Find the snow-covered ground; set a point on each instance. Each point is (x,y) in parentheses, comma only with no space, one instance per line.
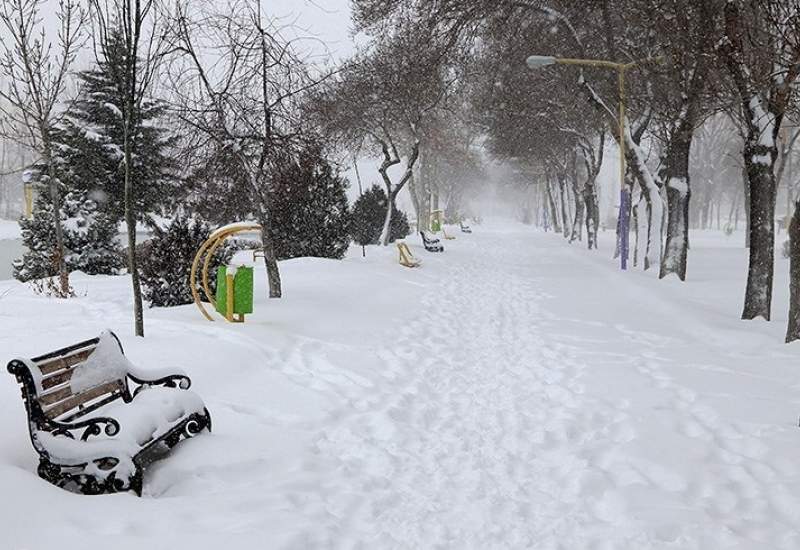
(513,392)
(10,246)
(9,229)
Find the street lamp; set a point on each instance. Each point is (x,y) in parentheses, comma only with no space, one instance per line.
(539,61)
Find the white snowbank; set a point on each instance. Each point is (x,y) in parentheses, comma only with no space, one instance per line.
(9,229)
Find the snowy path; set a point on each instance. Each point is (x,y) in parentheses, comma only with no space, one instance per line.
(505,424)
(514,392)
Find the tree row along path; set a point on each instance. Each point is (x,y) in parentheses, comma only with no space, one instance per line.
(513,392)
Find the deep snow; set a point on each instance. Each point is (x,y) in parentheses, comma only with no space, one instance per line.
(513,392)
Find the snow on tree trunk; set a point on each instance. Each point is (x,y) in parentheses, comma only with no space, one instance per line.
(579,214)
(552,206)
(386,232)
(677,246)
(678,192)
(564,198)
(655,204)
(761,180)
(592,214)
(642,225)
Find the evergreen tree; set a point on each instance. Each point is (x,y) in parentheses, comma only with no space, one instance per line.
(369,214)
(309,207)
(89,161)
(308,201)
(92,145)
(89,238)
(166,261)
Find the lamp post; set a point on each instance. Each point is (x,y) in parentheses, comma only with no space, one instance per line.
(539,61)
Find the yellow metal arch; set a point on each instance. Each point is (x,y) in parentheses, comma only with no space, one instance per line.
(207,249)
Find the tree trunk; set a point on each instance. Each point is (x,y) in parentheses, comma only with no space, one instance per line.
(577,225)
(562,193)
(592,214)
(130,224)
(270,259)
(793,328)
(651,217)
(386,232)
(679,194)
(746,187)
(553,210)
(761,184)
(55,199)
(268,242)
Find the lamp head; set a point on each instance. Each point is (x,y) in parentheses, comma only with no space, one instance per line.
(537,61)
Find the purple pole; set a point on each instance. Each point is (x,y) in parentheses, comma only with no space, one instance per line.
(624,227)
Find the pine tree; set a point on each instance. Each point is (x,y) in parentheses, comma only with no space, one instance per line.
(309,207)
(92,141)
(89,161)
(166,261)
(89,237)
(369,214)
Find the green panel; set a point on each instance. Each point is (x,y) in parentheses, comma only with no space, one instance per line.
(222,289)
(242,290)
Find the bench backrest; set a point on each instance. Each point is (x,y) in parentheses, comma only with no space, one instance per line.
(71,382)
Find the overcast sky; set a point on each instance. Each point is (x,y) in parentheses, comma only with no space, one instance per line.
(327,20)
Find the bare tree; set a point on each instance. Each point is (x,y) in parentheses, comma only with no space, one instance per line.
(36,70)
(761,50)
(238,85)
(383,102)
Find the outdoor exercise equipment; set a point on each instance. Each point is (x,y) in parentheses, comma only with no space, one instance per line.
(436,220)
(226,281)
(234,292)
(406,257)
(437,224)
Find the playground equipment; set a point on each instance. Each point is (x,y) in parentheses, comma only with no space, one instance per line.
(406,257)
(234,286)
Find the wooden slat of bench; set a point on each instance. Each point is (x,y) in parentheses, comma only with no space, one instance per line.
(53,397)
(83,397)
(57,379)
(62,363)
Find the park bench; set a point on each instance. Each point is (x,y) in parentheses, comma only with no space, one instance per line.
(97,422)
(431,244)
(406,257)
(465,228)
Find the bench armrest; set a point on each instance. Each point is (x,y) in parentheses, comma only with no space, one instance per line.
(170,380)
(91,427)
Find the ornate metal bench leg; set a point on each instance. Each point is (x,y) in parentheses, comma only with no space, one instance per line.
(136,482)
(208,420)
(48,471)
